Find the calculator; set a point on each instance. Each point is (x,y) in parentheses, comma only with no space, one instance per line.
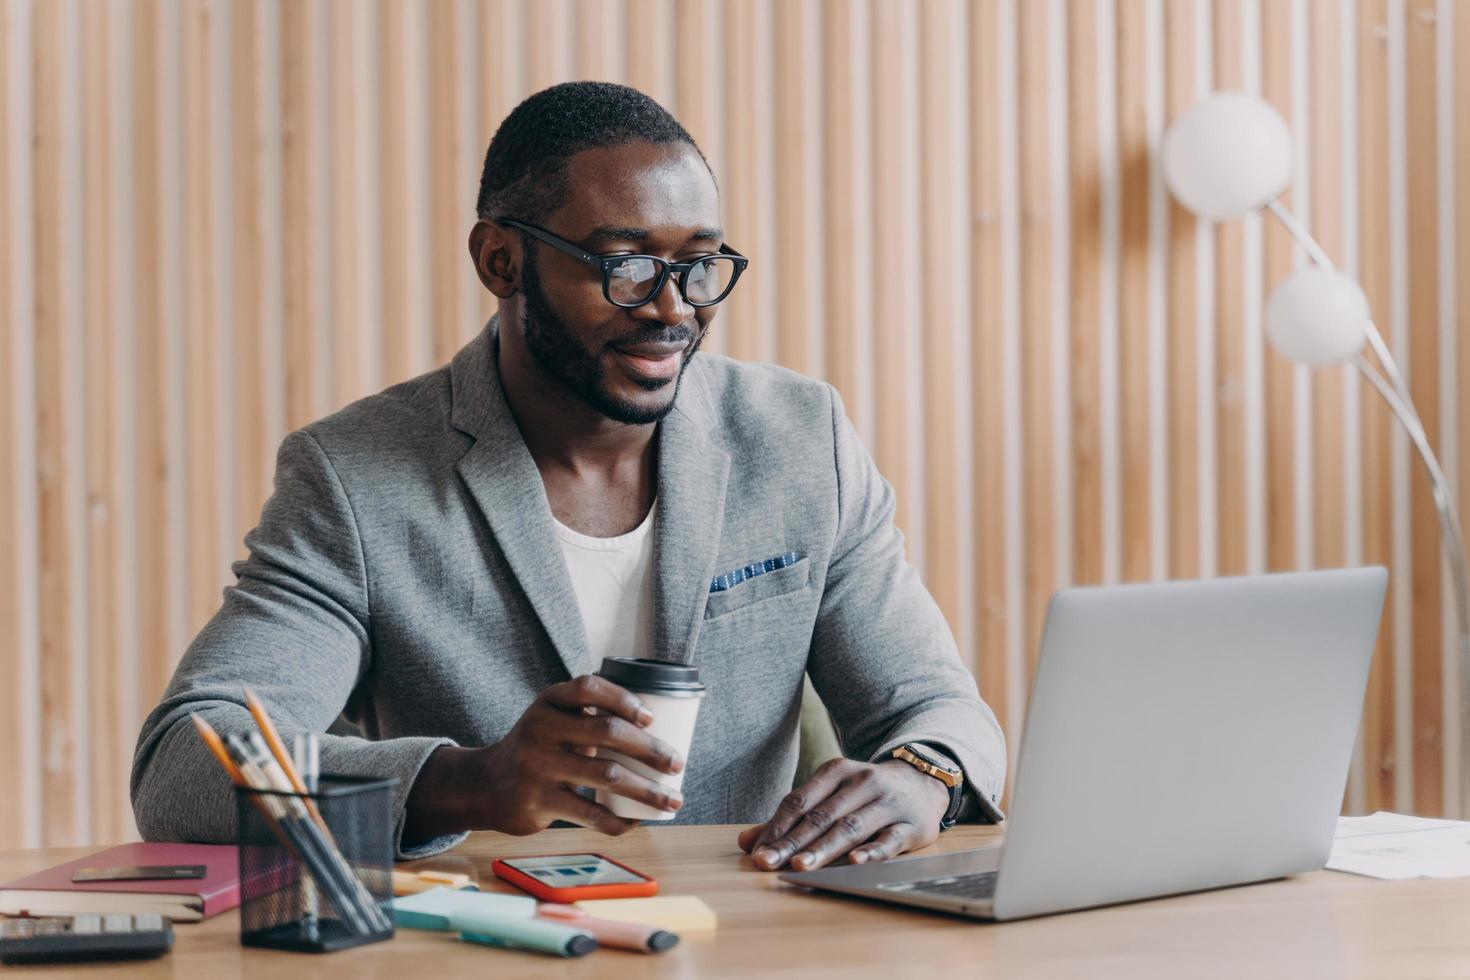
(55,938)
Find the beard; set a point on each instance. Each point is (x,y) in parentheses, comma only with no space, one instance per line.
(559,353)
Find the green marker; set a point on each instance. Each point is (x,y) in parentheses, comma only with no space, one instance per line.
(490,929)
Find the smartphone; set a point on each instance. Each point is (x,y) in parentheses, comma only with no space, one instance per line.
(568,878)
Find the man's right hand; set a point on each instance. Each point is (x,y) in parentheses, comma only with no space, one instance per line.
(522,783)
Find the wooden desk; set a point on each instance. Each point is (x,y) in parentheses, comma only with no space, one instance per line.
(1320,925)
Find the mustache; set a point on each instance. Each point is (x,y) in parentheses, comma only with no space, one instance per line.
(685,333)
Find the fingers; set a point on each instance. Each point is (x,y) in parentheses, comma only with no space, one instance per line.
(847,833)
(859,788)
(611,732)
(613,776)
(591,691)
(589,813)
(749,836)
(889,843)
(796,803)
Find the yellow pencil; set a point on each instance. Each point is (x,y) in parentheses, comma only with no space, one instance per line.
(216,747)
(273,741)
(278,749)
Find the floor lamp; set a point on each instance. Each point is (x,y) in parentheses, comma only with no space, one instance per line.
(1231,154)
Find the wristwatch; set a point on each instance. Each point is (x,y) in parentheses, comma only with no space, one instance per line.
(932,762)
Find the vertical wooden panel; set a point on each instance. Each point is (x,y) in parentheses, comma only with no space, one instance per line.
(799,243)
(549,42)
(1329,492)
(598,27)
(246,229)
(1327,228)
(1423,370)
(649,26)
(895,264)
(453,147)
(1378,736)
(1461,123)
(503,79)
(20,707)
(109,747)
(1184,230)
(847,295)
(1276,67)
(58,431)
(14,693)
(1083,154)
(354,241)
(699,71)
(204,232)
(154,517)
(1133,294)
(399,204)
(988,366)
(945,243)
(741,180)
(1039,220)
(1229,344)
(304,135)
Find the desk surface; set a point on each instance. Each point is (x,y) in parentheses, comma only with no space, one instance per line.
(1320,925)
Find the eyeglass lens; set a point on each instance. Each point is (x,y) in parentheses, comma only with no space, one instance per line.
(634,280)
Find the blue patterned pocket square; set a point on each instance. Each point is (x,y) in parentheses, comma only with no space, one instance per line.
(729,580)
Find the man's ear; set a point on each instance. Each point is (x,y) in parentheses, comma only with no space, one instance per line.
(496,254)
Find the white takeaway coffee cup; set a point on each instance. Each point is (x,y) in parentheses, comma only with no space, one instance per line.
(672,692)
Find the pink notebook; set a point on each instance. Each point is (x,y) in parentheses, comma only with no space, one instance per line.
(52,892)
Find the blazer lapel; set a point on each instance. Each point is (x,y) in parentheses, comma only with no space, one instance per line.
(503,479)
(693,471)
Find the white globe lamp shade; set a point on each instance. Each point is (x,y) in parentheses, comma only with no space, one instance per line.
(1317,317)
(1227,156)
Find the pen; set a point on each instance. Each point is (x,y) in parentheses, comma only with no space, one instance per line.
(489,929)
(621,935)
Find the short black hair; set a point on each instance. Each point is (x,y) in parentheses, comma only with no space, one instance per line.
(525,167)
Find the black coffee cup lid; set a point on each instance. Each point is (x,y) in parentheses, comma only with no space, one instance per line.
(653,676)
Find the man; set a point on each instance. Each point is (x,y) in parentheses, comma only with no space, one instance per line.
(447,562)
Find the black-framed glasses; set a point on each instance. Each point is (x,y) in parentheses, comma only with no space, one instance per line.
(631,281)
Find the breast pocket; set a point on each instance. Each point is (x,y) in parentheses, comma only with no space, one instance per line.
(771,585)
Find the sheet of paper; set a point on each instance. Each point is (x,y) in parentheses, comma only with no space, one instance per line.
(1392,845)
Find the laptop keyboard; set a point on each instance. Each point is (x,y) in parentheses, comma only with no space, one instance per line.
(980,885)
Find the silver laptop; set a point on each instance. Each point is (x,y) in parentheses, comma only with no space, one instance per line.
(1181,736)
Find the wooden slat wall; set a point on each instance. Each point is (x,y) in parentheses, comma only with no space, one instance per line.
(219,221)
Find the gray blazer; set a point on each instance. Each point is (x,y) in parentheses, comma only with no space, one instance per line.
(405,571)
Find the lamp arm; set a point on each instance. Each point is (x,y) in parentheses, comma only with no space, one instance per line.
(1304,238)
(1396,393)
(1443,501)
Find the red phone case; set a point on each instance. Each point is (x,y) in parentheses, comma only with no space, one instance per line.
(577,893)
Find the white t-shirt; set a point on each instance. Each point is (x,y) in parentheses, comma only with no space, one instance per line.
(613,579)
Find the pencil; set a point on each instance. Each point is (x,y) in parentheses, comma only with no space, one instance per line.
(273,740)
(277,748)
(217,748)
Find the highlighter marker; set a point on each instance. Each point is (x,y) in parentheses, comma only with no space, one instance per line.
(489,929)
(622,935)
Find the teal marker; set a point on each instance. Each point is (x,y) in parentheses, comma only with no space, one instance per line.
(491,929)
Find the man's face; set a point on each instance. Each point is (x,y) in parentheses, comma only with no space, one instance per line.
(638,198)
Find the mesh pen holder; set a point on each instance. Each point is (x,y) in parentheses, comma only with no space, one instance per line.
(316,871)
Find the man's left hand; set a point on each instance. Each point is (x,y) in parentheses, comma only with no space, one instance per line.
(868,812)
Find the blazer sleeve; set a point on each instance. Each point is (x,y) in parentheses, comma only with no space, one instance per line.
(882,657)
(294,628)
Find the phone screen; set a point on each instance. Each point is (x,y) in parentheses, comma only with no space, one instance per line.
(575,870)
